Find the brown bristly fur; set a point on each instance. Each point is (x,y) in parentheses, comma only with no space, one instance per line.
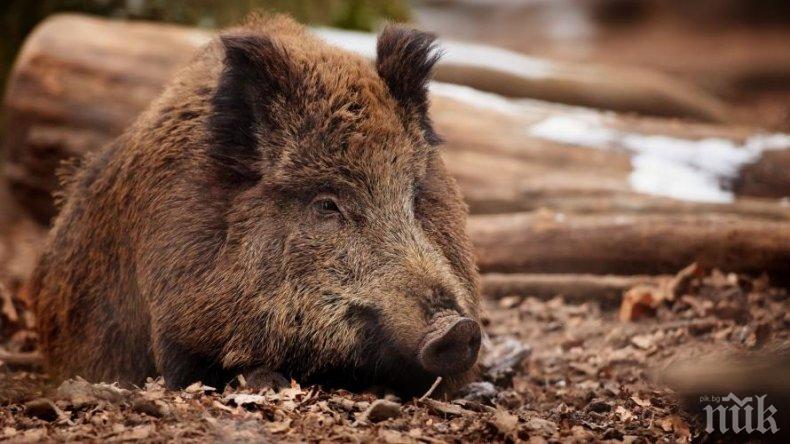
(282,205)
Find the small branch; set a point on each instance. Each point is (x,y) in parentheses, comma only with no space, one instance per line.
(432,389)
(21,359)
(8,305)
(576,288)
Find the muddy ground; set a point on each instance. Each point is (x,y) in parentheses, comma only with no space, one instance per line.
(552,371)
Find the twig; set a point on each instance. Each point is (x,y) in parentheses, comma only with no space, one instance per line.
(21,359)
(430,390)
(242,380)
(8,305)
(575,288)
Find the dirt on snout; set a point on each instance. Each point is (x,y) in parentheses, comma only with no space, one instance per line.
(553,371)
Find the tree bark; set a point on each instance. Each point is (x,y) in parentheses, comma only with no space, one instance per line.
(511,74)
(79,81)
(606,290)
(629,244)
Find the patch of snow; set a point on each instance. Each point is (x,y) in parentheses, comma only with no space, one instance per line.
(456,53)
(565,20)
(498,103)
(198,38)
(695,170)
(493,58)
(481,99)
(362,43)
(657,175)
(582,130)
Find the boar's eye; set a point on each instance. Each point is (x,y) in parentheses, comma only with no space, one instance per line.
(326,206)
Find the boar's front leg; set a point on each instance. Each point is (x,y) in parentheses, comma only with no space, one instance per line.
(180,367)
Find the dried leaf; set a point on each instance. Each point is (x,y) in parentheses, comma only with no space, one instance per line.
(242,399)
(79,391)
(583,368)
(643,341)
(381,410)
(292,393)
(624,414)
(32,436)
(199,388)
(543,426)
(392,436)
(640,302)
(134,434)
(279,427)
(150,407)
(505,422)
(221,406)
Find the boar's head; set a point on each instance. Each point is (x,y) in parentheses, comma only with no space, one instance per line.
(330,238)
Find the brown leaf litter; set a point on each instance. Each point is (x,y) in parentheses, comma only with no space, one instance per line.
(551,371)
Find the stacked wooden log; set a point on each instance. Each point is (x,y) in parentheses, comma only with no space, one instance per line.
(545,198)
(79,81)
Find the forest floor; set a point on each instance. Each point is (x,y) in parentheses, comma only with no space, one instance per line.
(552,371)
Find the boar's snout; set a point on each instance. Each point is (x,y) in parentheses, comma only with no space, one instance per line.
(450,346)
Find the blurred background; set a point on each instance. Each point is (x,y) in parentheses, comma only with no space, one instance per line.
(585,112)
(18,17)
(738,50)
(598,108)
(613,153)
(735,49)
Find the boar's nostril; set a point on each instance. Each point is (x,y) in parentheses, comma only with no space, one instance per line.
(452,348)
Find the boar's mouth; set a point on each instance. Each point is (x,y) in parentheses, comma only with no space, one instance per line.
(449,348)
(401,376)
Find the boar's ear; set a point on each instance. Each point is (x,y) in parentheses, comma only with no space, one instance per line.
(257,75)
(405,60)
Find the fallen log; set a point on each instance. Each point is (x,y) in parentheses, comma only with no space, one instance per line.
(546,242)
(737,58)
(579,202)
(606,290)
(541,149)
(511,74)
(79,81)
(21,239)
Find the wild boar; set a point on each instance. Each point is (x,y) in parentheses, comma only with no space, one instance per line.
(281,207)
